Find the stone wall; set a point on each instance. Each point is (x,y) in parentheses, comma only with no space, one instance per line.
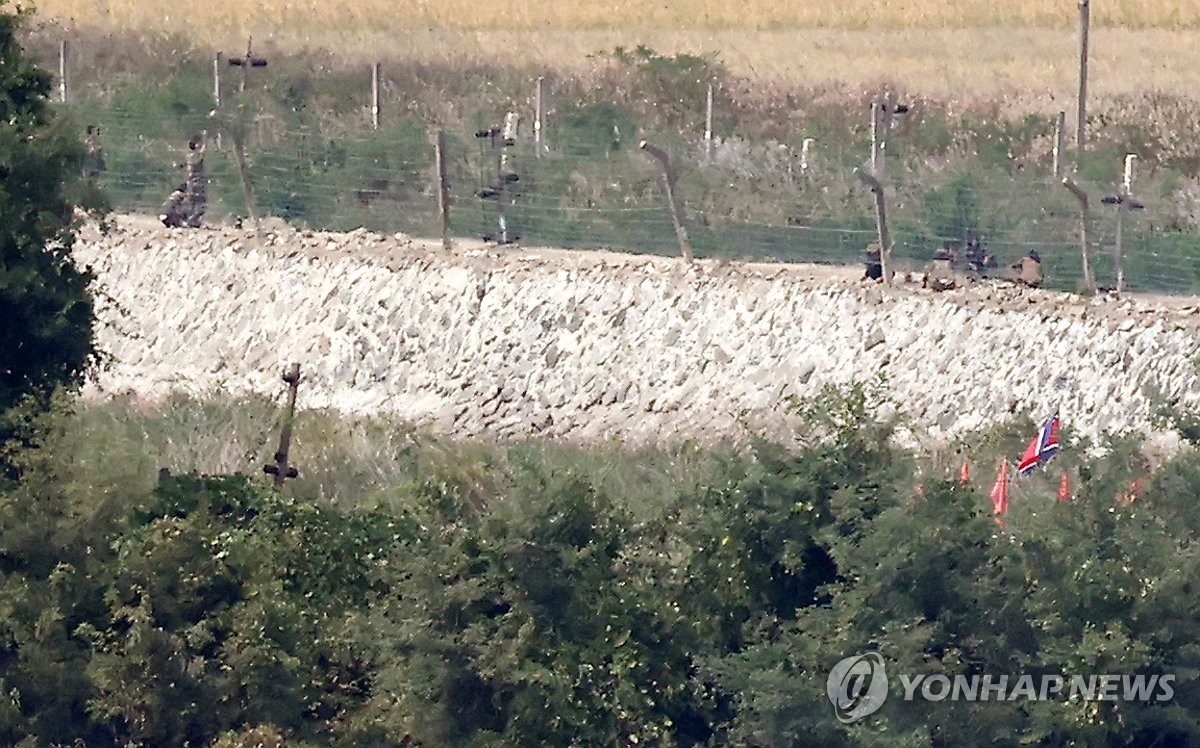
(516,342)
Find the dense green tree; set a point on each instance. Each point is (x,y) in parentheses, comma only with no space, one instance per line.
(46,337)
(502,596)
(1099,585)
(528,624)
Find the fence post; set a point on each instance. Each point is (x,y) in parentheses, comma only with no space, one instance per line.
(1085,239)
(685,249)
(501,139)
(281,468)
(1060,138)
(443,188)
(1084,24)
(875,136)
(539,113)
(238,134)
(217,80)
(881,225)
(882,113)
(375,71)
(216,92)
(506,174)
(1125,202)
(62,71)
(249,61)
(708,125)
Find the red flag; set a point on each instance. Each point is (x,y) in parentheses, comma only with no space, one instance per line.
(1064,488)
(1000,491)
(964,475)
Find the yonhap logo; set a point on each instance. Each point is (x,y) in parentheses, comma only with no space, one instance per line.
(857,686)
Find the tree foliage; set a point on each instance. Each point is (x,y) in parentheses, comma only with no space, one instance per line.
(46,339)
(513,598)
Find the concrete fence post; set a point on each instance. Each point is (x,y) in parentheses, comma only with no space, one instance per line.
(62,71)
(375,85)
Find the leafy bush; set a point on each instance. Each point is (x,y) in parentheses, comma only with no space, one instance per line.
(536,594)
(47,338)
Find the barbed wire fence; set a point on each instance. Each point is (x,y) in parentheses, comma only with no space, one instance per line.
(739,199)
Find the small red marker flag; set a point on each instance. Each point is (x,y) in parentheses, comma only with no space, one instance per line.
(1000,491)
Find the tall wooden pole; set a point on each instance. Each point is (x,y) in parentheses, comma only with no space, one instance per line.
(880,123)
(443,188)
(1084,25)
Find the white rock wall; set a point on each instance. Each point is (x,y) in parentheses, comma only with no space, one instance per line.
(594,345)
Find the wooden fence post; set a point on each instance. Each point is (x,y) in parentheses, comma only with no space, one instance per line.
(881,225)
(251,60)
(882,113)
(685,249)
(1085,237)
(443,188)
(280,467)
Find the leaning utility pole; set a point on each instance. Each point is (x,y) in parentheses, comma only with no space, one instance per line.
(664,160)
(882,113)
(1085,232)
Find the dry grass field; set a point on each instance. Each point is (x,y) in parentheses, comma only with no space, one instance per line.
(392,15)
(1024,48)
